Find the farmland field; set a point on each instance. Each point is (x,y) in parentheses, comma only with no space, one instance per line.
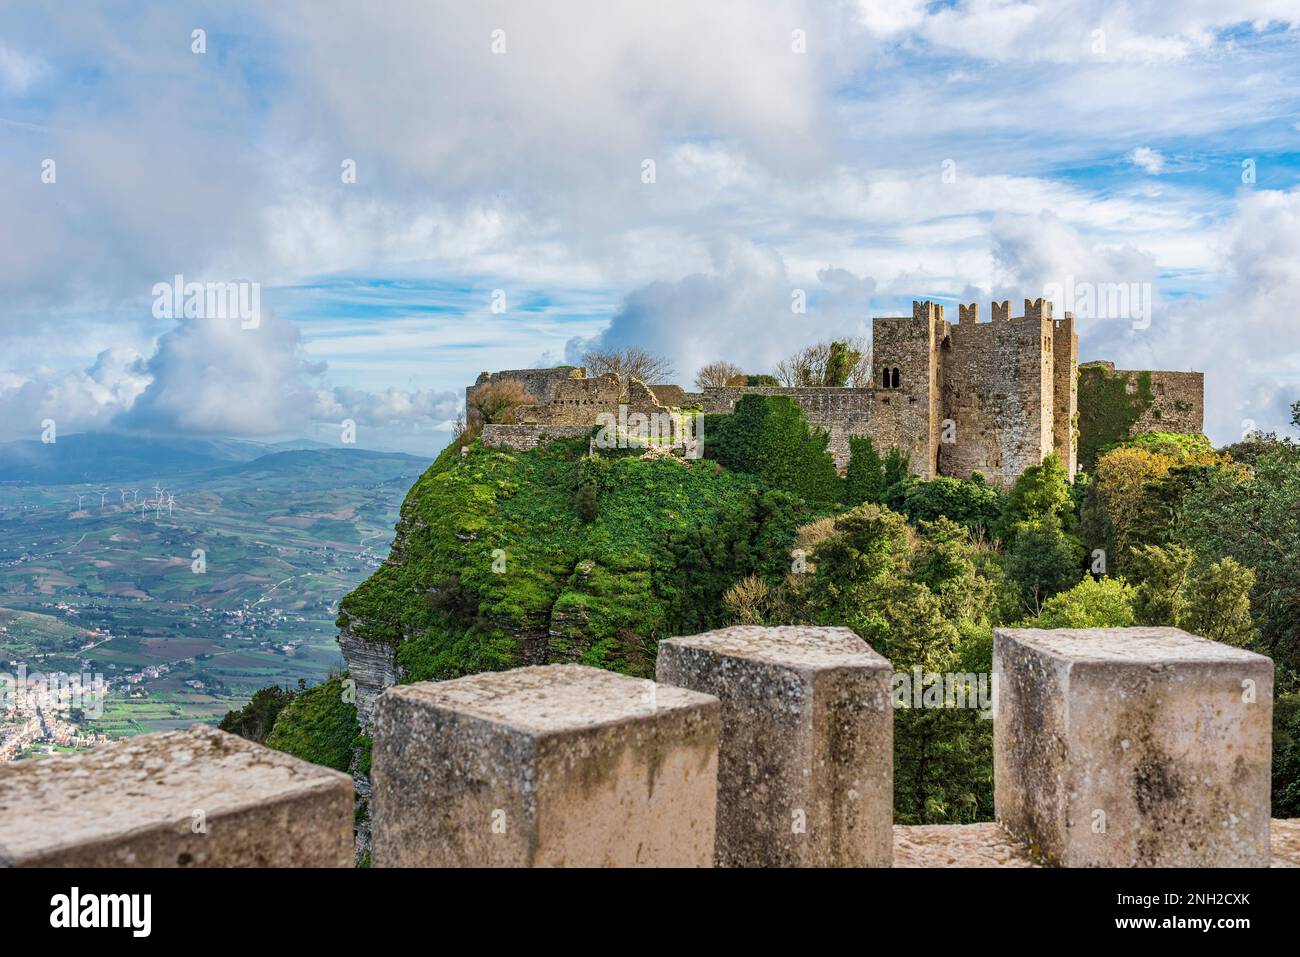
(189,591)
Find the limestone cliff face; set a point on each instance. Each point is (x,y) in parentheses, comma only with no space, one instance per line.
(373,666)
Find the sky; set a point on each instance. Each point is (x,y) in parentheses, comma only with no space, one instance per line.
(416,192)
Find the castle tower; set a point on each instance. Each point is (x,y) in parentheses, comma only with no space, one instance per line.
(999,380)
(907,360)
(1065,393)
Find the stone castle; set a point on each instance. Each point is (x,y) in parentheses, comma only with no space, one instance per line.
(991,397)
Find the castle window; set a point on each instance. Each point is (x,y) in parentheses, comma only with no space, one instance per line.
(894,379)
(884,378)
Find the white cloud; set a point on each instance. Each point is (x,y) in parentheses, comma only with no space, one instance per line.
(1148,159)
(19,71)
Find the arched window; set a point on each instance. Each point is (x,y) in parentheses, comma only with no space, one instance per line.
(884,378)
(894,379)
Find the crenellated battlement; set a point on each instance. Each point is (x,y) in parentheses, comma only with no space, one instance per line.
(958,398)
(569,765)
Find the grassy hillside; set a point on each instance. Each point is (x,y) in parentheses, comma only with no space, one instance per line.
(492,555)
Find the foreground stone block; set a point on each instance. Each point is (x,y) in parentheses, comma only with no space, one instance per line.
(196,798)
(1133,747)
(555,765)
(806,767)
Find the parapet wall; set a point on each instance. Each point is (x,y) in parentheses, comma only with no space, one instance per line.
(1138,747)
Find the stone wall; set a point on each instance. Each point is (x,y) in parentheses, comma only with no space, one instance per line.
(1138,747)
(841,412)
(540,383)
(1177,405)
(522,438)
(1008,388)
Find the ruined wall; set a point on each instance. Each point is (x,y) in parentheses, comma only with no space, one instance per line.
(577,402)
(522,438)
(841,412)
(1117,404)
(1177,404)
(998,390)
(540,383)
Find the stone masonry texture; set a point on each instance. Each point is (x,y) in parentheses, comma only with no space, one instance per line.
(196,798)
(991,397)
(805,770)
(1132,747)
(556,765)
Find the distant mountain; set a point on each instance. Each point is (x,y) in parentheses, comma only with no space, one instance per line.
(102,457)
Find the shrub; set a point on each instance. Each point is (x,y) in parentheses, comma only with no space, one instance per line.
(1093,603)
(975,505)
(318,726)
(496,401)
(865,480)
(1042,561)
(768,436)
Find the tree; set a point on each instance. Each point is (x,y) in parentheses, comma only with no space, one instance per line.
(256,719)
(768,436)
(1213,602)
(1093,603)
(496,401)
(1122,511)
(1161,575)
(1253,518)
(841,362)
(716,374)
(1040,493)
(1042,560)
(1218,606)
(976,505)
(630,363)
(865,478)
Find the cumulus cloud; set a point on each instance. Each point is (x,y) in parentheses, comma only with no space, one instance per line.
(741,310)
(211,377)
(1242,338)
(76,399)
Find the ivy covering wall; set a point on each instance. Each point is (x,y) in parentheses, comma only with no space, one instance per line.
(1107,410)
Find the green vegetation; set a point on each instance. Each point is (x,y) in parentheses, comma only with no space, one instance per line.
(864,480)
(1107,412)
(604,556)
(256,719)
(601,557)
(319,726)
(1093,603)
(768,436)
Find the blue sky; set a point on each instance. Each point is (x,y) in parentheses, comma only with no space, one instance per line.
(866,152)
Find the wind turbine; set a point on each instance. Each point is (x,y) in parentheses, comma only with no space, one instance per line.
(171,500)
(101,500)
(79,498)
